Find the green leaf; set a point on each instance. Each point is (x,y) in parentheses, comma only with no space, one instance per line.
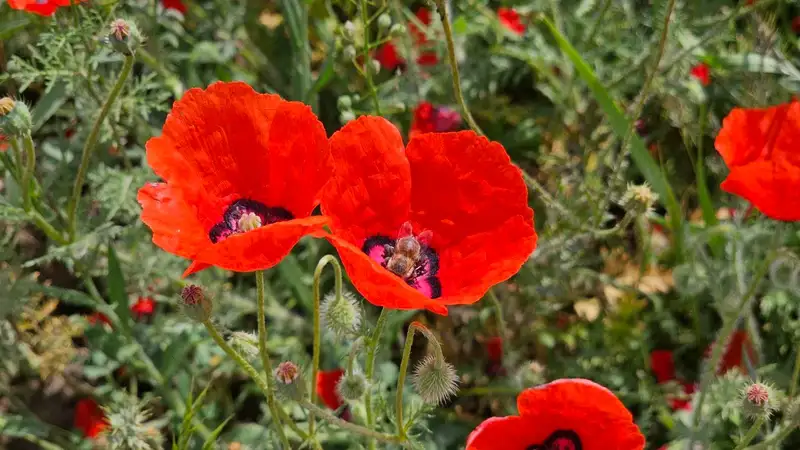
(49,103)
(10,213)
(211,442)
(10,27)
(116,287)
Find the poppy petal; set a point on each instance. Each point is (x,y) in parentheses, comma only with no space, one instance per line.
(369,191)
(588,409)
(747,134)
(766,184)
(258,249)
(508,433)
(379,286)
(173,222)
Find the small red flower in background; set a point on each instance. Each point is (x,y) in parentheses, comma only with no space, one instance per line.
(703,73)
(89,418)
(568,414)
(177,5)
(437,224)
(387,54)
(3,143)
(510,19)
(388,58)
(796,25)
(428,118)
(759,146)
(41,7)
(242,171)
(494,353)
(684,401)
(144,306)
(663,365)
(98,317)
(326,390)
(735,349)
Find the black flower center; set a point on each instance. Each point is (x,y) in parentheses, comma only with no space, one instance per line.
(560,440)
(244,215)
(408,257)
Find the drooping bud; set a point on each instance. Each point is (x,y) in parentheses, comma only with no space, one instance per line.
(435,379)
(758,400)
(15,118)
(290,380)
(639,199)
(349,30)
(195,303)
(352,386)
(124,36)
(384,21)
(340,315)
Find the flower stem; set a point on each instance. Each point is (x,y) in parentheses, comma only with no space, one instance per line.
(780,437)
(795,375)
(27,174)
(502,330)
(367,60)
(370,367)
(451,55)
(329,417)
(751,434)
(324,261)
(88,147)
(262,350)
(401,380)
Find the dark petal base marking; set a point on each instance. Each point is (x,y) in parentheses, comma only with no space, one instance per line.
(230,219)
(560,440)
(423,279)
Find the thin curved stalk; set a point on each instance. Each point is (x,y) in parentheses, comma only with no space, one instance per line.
(751,434)
(370,367)
(373,435)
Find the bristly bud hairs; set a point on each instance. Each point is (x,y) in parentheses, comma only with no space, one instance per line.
(290,380)
(15,117)
(639,199)
(195,303)
(340,315)
(352,385)
(124,36)
(130,426)
(435,379)
(758,400)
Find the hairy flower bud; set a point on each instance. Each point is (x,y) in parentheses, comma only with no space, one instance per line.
(124,36)
(639,199)
(15,117)
(290,380)
(398,30)
(374,66)
(349,52)
(352,386)
(384,21)
(344,103)
(758,400)
(435,379)
(340,315)
(245,342)
(195,303)
(349,30)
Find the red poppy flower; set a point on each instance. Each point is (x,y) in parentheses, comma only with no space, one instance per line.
(41,7)
(387,57)
(436,225)
(242,172)
(703,73)
(735,349)
(494,349)
(759,147)
(89,418)
(177,5)
(568,414)
(509,17)
(683,402)
(98,317)
(326,387)
(144,306)
(796,25)
(428,118)
(3,143)
(663,365)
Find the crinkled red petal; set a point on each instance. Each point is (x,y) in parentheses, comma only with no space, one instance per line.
(771,186)
(368,193)
(378,285)
(172,219)
(326,387)
(507,433)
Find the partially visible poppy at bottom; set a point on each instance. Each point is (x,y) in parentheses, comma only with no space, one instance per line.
(41,7)
(510,19)
(326,390)
(144,306)
(429,118)
(177,5)
(433,225)
(759,146)
(702,73)
(242,173)
(89,418)
(567,414)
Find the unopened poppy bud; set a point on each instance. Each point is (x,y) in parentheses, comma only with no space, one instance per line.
(340,315)
(384,21)
(349,30)
(352,386)
(435,379)
(15,117)
(758,400)
(349,52)
(639,199)
(196,304)
(246,342)
(346,116)
(290,381)
(397,30)
(124,36)
(344,103)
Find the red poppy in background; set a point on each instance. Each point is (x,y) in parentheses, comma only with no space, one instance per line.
(437,224)
(735,350)
(663,365)
(428,118)
(796,25)
(144,306)
(684,401)
(177,5)
(3,143)
(41,7)
(510,19)
(568,414)
(242,173)
(388,56)
(89,418)
(702,73)
(759,147)
(494,354)
(98,317)
(326,387)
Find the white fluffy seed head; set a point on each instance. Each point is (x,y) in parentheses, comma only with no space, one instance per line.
(341,317)
(435,379)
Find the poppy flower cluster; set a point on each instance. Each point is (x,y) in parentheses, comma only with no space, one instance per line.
(434,224)
(702,73)
(759,146)
(567,414)
(389,57)
(40,7)
(89,418)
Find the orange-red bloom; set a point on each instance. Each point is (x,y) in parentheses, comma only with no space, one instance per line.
(759,147)
(177,5)
(437,224)
(428,118)
(89,418)
(41,7)
(98,318)
(144,306)
(703,73)
(242,173)
(326,387)
(509,17)
(568,414)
